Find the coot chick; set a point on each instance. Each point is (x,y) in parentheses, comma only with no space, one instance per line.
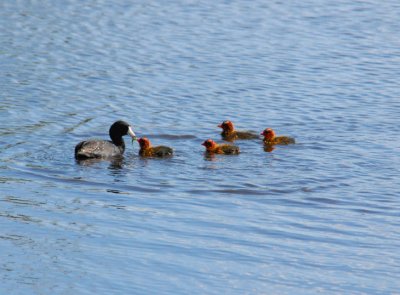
(215,148)
(230,134)
(90,149)
(146,150)
(271,139)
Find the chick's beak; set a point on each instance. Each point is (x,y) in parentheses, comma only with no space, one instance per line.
(220,125)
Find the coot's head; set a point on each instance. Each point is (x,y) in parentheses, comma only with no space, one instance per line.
(268,134)
(144,143)
(209,144)
(119,129)
(227,126)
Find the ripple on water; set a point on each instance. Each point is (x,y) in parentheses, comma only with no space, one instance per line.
(314,217)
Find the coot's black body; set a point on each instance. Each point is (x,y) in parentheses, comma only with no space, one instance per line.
(105,148)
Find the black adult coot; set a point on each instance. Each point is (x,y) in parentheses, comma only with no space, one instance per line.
(105,148)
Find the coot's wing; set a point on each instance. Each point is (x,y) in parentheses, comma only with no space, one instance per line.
(230,149)
(163,151)
(246,135)
(284,140)
(96,149)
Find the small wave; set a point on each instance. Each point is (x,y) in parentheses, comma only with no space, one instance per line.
(174,136)
(229,191)
(74,181)
(21,201)
(323,200)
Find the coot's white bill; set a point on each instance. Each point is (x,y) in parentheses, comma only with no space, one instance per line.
(131,133)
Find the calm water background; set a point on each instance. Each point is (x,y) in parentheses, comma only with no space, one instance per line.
(319,216)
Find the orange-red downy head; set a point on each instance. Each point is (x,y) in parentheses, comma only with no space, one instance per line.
(209,144)
(144,142)
(227,126)
(268,134)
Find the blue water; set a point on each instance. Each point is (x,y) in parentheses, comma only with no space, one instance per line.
(320,216)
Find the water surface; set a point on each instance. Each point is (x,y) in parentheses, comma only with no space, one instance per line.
(321,216)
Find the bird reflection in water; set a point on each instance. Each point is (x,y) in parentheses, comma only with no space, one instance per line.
(116,163)
(268,148)
(209,156)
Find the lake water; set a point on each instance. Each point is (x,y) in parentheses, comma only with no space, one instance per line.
(320,216)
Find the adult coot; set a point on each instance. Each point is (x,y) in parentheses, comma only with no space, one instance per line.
(105,148)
